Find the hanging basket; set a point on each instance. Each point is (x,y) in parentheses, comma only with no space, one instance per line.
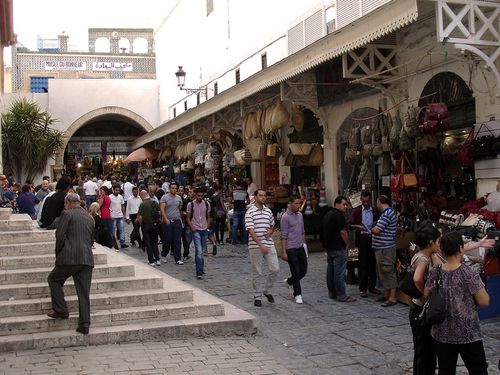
(242,157)
(255,146)
(316,156)
(301,149)
(278,117)
(297,117)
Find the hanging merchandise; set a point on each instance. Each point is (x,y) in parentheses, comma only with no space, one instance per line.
(395,132)
(386,165)
(433,118)
(386,126)
(297,117)
(411,122)
(401,180)
(276,117)
(482,147)
(464,151)
(316,156)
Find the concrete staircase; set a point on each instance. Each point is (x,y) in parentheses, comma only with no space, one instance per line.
(130,300)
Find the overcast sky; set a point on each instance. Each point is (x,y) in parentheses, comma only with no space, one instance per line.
(48,18)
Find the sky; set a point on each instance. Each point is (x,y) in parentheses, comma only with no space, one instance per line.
(49,18)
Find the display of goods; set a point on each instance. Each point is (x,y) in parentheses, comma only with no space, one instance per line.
(451,218)
(272,150)
(301,148)
(316,156)
(482,226)
(277,118)
(297,117)
(243,157)
(255,145)
(251,127)
(433,118)
(322,198)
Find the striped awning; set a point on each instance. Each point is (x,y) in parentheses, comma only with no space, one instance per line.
(382,21)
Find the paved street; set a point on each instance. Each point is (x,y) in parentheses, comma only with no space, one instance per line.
(321,336)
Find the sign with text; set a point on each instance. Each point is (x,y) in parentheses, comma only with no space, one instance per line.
(95,147)
(65,65)
(111,66)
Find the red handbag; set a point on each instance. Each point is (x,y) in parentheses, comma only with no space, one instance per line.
(433,118)
(463,154)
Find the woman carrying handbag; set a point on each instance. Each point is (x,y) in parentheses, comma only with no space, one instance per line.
(460,332)
(427,238)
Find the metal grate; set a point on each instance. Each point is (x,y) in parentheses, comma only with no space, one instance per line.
(39,84)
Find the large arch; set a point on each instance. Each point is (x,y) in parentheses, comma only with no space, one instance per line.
(92,115)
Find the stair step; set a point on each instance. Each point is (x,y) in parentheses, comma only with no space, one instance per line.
(24,236)
(102,285)
(111,317)
(234,322)
(29,248)
(17,222)
(40,274)
(36,261)
(98,301)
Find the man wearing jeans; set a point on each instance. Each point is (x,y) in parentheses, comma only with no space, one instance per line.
(259,222)
(117,209)
(336,243)
(170,208)
(240,200)
(198,219)
(292,246)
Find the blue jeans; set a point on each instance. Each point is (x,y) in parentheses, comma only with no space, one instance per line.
(89,199)
(335,273)
(187,238)
(172,238)
(200,246)
(118,222)
(239,223)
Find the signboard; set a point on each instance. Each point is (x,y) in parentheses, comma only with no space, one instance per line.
(111,66)
(94,148)
(65,65)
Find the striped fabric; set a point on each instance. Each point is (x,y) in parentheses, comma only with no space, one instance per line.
(260,221)
(387,223)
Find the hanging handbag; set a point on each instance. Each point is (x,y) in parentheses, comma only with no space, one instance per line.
(409,179)
(463,153)
(433,118)
(483,147)
(434,310)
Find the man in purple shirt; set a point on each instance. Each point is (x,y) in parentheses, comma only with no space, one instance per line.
(198,220)
(292,246)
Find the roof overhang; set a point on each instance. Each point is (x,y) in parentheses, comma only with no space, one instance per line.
(7,36)
(382,21)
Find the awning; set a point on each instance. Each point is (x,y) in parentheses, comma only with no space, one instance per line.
(384,20)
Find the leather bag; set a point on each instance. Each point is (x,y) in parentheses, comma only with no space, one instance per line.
(434,311)
(483,147)
(433,118)
(407,284)
(463,153)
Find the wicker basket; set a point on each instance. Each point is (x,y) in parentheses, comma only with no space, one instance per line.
(301,149)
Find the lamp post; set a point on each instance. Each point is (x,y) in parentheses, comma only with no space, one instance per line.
(181,79)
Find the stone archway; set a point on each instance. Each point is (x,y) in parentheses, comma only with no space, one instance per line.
(88,117)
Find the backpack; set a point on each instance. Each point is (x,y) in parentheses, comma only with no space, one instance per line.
(207,209)
(155,213)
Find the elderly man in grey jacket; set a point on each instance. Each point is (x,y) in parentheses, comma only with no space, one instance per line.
(74,240)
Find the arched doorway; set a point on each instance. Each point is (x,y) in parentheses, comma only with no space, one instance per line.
(98,141)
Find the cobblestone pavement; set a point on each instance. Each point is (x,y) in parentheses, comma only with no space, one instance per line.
(322,336)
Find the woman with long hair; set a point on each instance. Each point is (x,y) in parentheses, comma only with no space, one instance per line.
(427,238)
(463,289)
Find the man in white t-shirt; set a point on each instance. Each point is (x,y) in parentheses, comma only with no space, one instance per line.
(166,185)
(127,189)
(91,191)
(117,209)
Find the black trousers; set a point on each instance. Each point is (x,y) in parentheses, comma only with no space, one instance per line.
(82,276)
(424,354)
(366,264)
(136,234)
(472,354)
(150,237)
(220,226)
(297,261)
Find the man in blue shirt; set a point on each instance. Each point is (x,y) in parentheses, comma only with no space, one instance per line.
(26,201)
(384,245)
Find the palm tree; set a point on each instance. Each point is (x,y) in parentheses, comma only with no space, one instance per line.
(28,139)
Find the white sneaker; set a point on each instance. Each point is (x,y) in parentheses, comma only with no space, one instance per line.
(180,262)
(298,299)
(158,263)
(164,259)
(152,264)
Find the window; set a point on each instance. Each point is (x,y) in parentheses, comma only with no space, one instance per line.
(185,105)
(175,112)
(263,60)
(39,84)
(237,76)
(210,7)
(216,88)
(198,100)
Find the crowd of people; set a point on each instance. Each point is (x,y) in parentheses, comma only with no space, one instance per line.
(162,212)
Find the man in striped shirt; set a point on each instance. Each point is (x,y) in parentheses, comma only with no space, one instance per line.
(259,222)
(384,246)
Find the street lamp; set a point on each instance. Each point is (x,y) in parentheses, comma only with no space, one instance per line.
(181,79)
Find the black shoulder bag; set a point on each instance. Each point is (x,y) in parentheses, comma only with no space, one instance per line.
(434,311)
(407,285)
